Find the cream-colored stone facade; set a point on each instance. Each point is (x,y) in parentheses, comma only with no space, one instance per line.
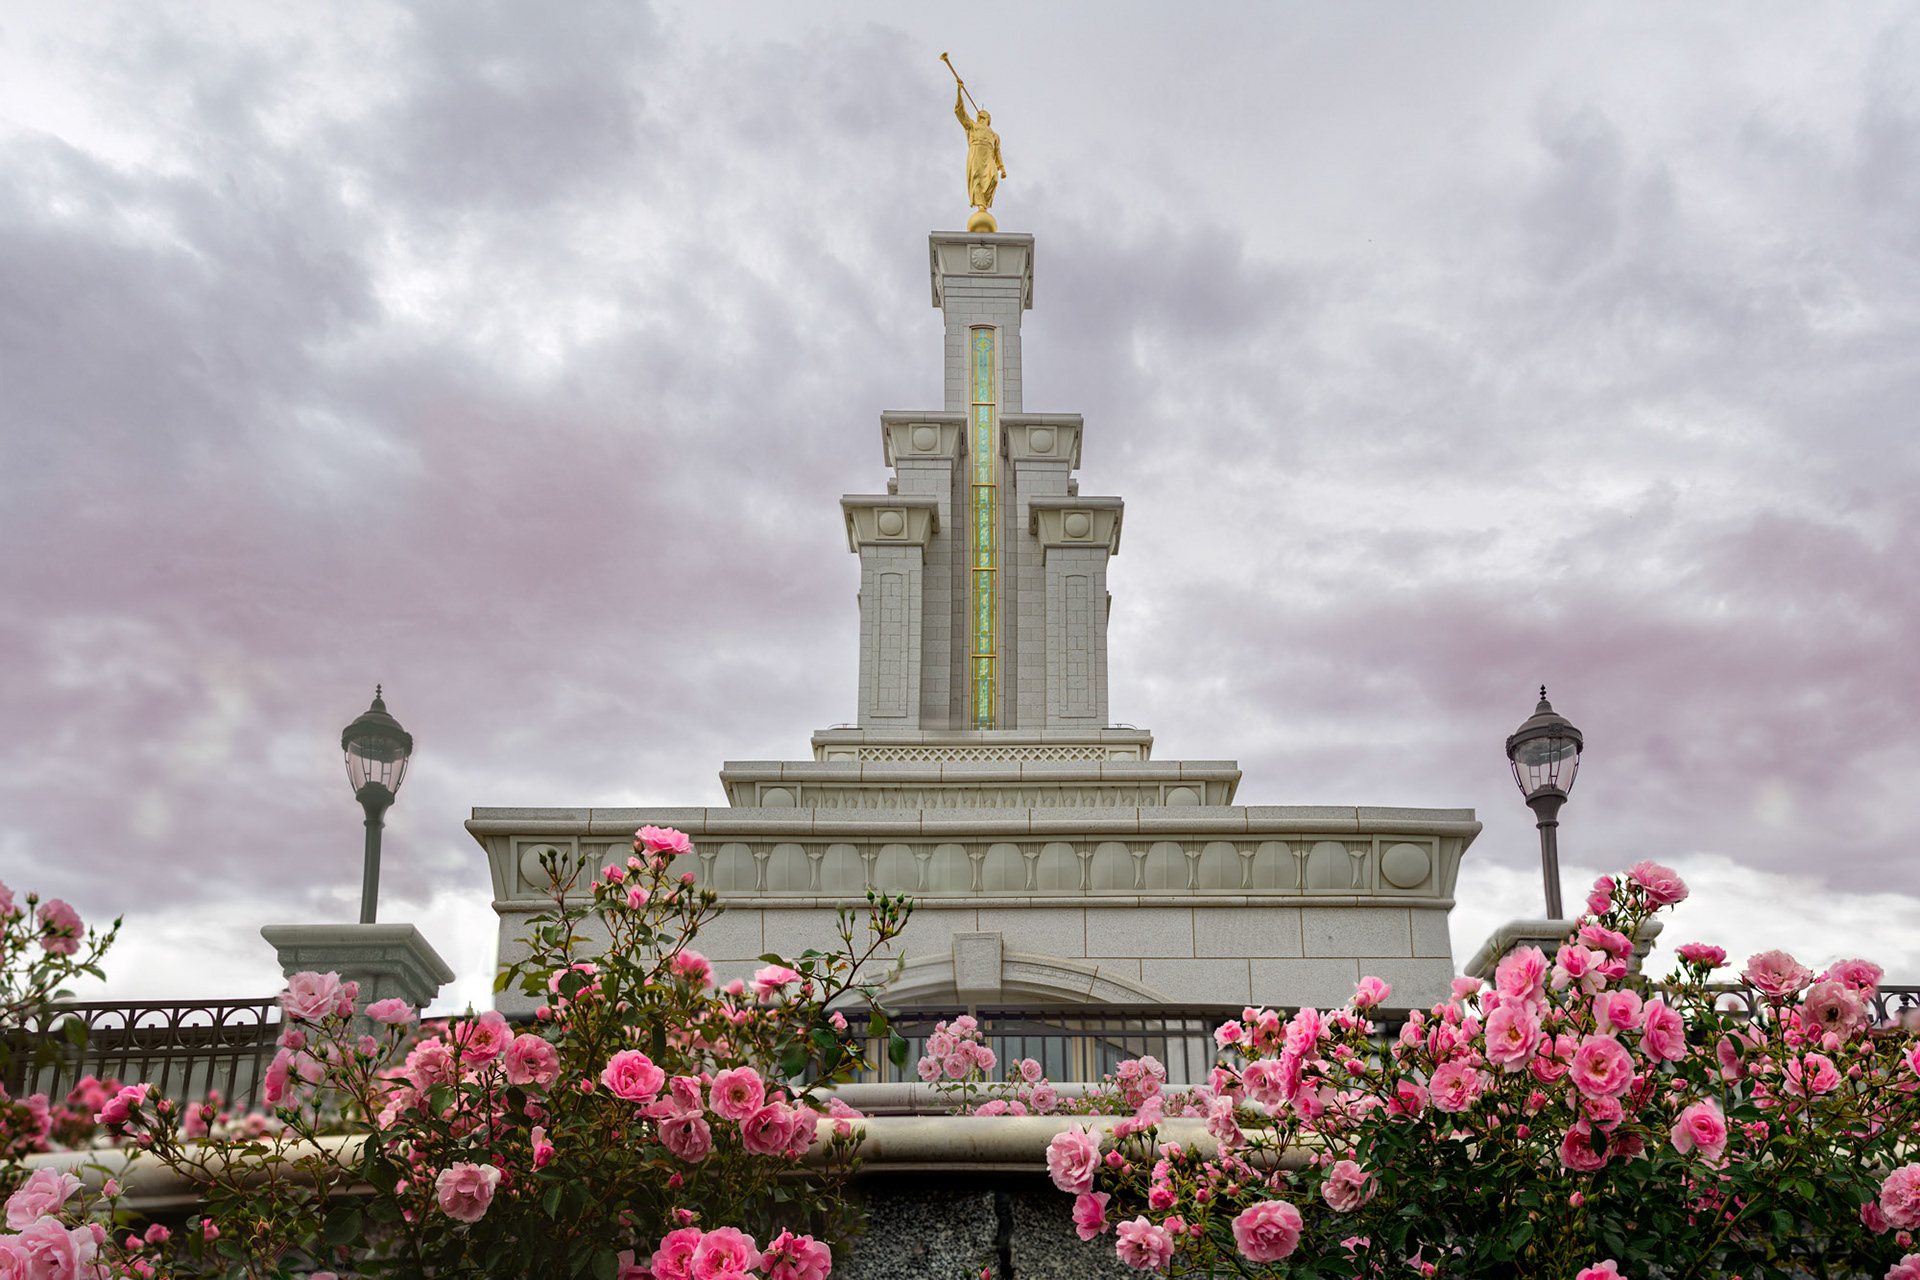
(1051,859)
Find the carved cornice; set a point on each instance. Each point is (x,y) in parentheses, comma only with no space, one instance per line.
(976,255)
(906,435)
(889,520)
(1042,438)
(1068,521)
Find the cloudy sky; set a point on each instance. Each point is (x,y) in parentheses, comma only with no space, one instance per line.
(515,356)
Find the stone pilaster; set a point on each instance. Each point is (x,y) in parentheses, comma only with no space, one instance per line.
(1077,536)
(1042,450)
(925,450)
(890,533)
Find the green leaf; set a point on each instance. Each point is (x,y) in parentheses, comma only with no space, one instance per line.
(1521,1234)
(343,1226)
(897,1048)
(606,1265)
(551,1201)
(76,1032)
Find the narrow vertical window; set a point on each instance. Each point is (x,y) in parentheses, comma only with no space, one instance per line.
(983,522)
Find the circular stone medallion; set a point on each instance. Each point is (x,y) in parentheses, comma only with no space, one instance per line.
(980,258)
(1076,524)
(1040,439)
(892,523)
(1406,865)
(925,438)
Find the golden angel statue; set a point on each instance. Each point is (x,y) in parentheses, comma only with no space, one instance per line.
(984,166)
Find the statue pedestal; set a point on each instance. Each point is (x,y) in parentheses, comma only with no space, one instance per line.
(1546,935)
(387,960)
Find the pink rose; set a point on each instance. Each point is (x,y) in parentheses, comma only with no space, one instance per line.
(1702,1127)
(1043,1098)
(792,1257)
(1072,1158)
(1600,898)
(7,906)
(1811,1076)
(1409,1099)
(1512,1031)
(1908,1268)
(120,1107)
(1268,1231)
(60,928)
(1144,1246)
(631,1075)
(673,1260)
(1521,975)
(1465,989)
(41,1194)
(464,1190)
(531,1060)
(692,968)
(771,980)
(542,1149)
(1576,965)
(1900,1197)
(1873,1220)
(1371,993)
(1347,1187)
(1702,953)
(1857,975)
(1607,1270)
(1616,1010)
(1602,1067)
(1576,1149)
(1268,1082)
(1777,974)
(768,1131)
(1090,1213)
(50,1251)
(392,1011)
(663,840)
(1455,1086)
(430,1063)
(690,1138)
(1663,1032)
(724,1251)
(311,996)
(1663,885)
(483,1039)
(738,1092)
(1836,1007)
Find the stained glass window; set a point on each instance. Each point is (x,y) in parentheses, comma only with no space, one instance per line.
(983,522)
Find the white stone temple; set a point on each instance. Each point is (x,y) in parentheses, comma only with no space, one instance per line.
(1051,859)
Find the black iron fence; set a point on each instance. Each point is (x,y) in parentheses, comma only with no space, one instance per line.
(184,1049)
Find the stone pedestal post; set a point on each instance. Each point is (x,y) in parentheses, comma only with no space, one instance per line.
(385,959)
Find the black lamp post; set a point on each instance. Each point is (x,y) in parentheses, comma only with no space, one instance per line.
(377,750)
(1545,752)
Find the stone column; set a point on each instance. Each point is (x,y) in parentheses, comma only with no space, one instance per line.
(889,532)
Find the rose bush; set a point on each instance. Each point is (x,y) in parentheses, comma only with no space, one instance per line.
(1574,1119)
(644,1122)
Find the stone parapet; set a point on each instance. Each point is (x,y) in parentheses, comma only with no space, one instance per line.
(959,746)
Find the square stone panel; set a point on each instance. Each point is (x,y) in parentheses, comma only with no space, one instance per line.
(1140,931)
(1356,931)
(1431,937)
(1200,982)
(1246,931)
(1291,983)
(1040,930)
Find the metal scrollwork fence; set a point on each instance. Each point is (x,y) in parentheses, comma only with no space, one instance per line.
(184,1049)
